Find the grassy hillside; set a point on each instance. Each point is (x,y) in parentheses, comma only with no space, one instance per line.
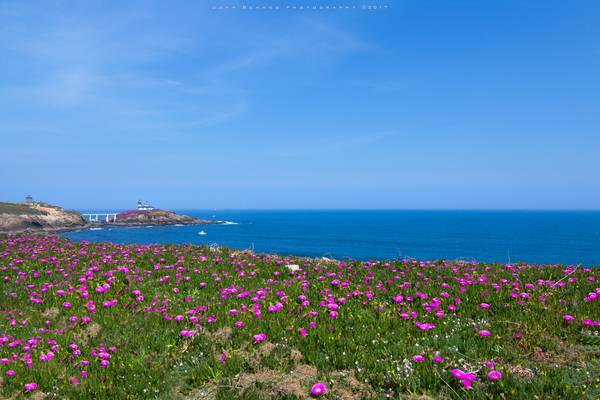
(100,320)
(19,209)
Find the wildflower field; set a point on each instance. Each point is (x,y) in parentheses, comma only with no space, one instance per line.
(99,320)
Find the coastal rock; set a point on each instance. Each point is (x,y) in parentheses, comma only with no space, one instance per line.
(156,217)
(32,217)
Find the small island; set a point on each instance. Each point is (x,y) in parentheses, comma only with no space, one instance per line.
(34,216)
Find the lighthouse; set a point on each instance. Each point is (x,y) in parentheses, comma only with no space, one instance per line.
(144,206)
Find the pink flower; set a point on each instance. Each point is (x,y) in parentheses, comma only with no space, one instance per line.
(238,324)
(466,383)
(418,358)
(30,386)
(494,375)
(223,357)
(318,389)
(568,318)
(438,359)
(485,306)
(484,333)
(302,332)
(259,337)
(456,373)
(10,372)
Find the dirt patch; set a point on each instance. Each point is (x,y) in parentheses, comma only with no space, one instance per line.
(37,395)
(296,356)
(223,334)
(296,383)
(521,372)
(266,349)
(304,371)
(51,313)
(91,331)
(539,354)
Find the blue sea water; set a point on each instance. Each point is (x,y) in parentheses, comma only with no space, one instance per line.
(568,237)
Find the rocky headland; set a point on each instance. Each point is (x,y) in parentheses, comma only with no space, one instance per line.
(42,217)
(36,217)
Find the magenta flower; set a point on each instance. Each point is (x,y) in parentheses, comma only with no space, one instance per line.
(318,389)
(223,357)
(485,306)
(494,375)
(465,378)
(418,358)
(259,337)
(438,359)
(30,386)
(10,372)
(466,383)
(484,333)
(568,318)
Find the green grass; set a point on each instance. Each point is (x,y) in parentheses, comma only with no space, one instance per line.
(364,352)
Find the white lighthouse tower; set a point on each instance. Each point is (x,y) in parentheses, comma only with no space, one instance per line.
(144,206)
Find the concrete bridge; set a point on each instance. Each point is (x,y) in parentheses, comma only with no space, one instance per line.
(100,217)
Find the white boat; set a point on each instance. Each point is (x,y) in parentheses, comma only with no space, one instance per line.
(201,233)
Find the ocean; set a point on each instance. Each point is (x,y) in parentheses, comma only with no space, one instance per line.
(566,237)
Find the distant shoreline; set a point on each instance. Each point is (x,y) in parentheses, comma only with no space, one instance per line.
(39,217)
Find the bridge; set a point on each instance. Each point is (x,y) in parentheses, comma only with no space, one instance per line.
(100,217)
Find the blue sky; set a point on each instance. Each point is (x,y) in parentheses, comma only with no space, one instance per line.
(423,104)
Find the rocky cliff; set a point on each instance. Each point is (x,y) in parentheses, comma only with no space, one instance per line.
(22,217)
(156,217)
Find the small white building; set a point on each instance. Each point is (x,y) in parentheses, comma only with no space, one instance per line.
(144,206)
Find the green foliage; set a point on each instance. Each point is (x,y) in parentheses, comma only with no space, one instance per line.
(365,351)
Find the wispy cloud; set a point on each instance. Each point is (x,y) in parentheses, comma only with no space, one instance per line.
(305,39)
(129,68)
